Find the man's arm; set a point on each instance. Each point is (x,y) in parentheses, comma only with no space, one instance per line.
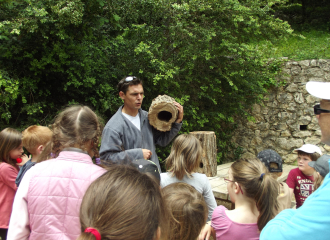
(112,148)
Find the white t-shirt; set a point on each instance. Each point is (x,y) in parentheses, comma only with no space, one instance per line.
(135,120)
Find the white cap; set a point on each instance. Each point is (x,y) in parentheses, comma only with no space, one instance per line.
(309,148)
(319,89)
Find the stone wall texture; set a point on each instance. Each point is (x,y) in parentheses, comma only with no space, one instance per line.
(285,119)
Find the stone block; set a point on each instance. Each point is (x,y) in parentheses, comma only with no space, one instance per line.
(263,126)
(298,97)
(313,63)
(300,79)
(314,72)
(289,144)
(311,99)
(295,70)
(316,79)
(256,141)
(313,140)
(318,133)
(257,133)
(281,126)
(283,115)
(284,97)
(304,64)
(327,76)
(292,87)
(290,158)
(302,134)
(324,65)
(313,126)
(327,148)
(286,133)
(304,120)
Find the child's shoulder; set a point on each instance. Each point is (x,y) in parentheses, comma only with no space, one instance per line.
(5,166)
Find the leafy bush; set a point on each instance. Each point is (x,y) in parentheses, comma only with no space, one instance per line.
(199,52)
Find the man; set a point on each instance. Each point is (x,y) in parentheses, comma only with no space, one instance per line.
(312,219)
(128,135)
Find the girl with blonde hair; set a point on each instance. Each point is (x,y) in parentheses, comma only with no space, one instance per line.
(182,164)
(254,192)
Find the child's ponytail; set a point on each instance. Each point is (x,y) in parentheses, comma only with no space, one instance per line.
(258,184)
(86,236)
(90,235)
(266,199)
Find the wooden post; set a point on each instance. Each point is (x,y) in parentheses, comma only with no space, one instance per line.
(208,164)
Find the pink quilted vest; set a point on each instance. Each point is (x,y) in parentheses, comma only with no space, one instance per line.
(55,193)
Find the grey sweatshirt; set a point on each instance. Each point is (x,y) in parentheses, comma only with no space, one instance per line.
(122,141)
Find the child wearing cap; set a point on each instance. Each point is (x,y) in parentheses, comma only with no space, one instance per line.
(321,166)
(273,163)
(301,180)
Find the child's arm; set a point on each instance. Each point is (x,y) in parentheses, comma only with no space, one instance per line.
(19,225)
(291,183)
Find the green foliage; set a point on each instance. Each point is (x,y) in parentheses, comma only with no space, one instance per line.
(202,53)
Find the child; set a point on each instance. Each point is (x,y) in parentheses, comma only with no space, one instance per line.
(10,149)
(321,166)
(300,180)
(183,161)
(47,203)
(188,211)
(254,192)
(34,140)
(123,204)
(273,163)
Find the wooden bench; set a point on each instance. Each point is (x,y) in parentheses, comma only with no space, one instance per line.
(219,187)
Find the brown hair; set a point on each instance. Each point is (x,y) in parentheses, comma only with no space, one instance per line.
(314,156)
(185,156)
(123,85)
(318,180)
(74,126)
(9,140)
(123,204)
(274,165)
(262,188)
(188,211)
(34,136)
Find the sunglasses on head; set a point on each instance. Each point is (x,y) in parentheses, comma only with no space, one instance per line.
(130,78)
(318,110)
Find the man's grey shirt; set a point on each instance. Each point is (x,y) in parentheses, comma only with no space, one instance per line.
(122,141)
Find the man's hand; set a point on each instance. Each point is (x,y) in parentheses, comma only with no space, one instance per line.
(146,153)
(180,109)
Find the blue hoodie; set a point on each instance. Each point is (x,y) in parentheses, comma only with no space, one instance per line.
(310,221)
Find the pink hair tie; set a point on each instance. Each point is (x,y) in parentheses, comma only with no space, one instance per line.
(94,232)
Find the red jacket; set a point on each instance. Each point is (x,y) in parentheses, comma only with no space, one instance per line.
(8,188)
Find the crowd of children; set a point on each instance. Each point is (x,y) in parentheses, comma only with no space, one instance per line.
(59,193)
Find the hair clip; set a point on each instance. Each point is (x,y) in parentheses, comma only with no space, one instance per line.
(94,232)
(261,176)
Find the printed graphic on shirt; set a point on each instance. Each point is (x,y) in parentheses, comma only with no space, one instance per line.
(306,189)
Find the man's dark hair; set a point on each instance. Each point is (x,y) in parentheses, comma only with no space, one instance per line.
(126,82)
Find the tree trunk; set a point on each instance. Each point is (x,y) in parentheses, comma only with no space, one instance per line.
(162,113)
(208,164)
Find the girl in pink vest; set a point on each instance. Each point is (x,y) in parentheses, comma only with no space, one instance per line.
(10,149)
(47,202)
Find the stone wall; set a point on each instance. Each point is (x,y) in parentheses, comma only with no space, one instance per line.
(285,120)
